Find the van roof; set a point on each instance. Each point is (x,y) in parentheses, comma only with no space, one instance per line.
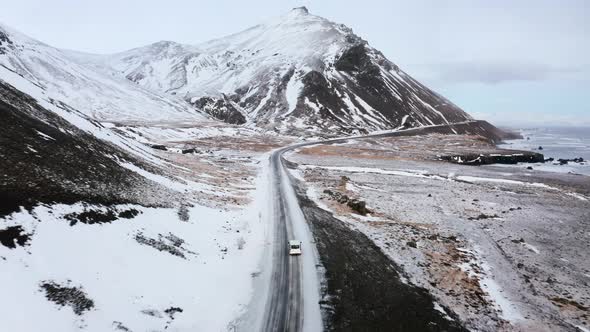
(292,242)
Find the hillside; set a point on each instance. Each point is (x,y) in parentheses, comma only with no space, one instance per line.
(297,74)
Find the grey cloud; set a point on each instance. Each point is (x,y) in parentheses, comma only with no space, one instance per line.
(495,73)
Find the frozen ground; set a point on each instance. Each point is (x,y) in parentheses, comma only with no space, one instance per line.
(505,249)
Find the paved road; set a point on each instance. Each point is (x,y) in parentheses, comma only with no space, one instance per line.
(284,308)
(285,305)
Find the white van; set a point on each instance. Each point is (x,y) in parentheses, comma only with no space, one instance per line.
(294,247)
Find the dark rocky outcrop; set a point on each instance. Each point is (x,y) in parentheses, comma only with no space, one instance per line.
(354,204)
(65,295)
(486,159)
(358,206)
(98,216)
(567,161)
(483,216)
(355,59)
(169,243)
(220,108)
(4,42)
(159,147)
(14,236)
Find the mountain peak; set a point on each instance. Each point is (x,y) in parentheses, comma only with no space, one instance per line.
(164,42)
(300,10)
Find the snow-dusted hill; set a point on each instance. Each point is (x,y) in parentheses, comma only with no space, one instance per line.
(98,95)
(298,72)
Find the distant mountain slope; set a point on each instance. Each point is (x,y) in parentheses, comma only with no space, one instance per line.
(96,94)
(297,73)
(45,159)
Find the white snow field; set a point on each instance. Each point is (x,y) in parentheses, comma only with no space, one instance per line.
(97,95)
(206,268)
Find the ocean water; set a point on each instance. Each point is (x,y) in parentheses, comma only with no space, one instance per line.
(557,143)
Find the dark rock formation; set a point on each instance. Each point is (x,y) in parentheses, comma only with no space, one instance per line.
(98,216)
(13,236)
(474,159)
(566,161)
(359,206)
(159,147)
(4,42)
(62,295)
(173,311)
(354,59)
(169,243)
(356,205)
(220,108)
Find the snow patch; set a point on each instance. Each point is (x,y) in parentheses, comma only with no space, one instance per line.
(532,248)
(292,93)
(45,136)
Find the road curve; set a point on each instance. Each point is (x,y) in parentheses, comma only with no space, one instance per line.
(284,308)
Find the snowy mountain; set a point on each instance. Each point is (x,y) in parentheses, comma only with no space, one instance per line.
(296,73)
(97,95)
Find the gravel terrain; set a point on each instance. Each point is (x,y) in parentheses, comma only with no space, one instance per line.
(502,248)
(364,290)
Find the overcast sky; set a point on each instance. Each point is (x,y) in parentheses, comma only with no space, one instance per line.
(525,61)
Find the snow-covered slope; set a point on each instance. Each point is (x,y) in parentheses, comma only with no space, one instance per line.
(95,226)
(297,72)
(96,94)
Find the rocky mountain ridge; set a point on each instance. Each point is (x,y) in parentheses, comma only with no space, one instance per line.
(296,74)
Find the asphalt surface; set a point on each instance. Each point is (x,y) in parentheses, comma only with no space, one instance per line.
(284,306)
